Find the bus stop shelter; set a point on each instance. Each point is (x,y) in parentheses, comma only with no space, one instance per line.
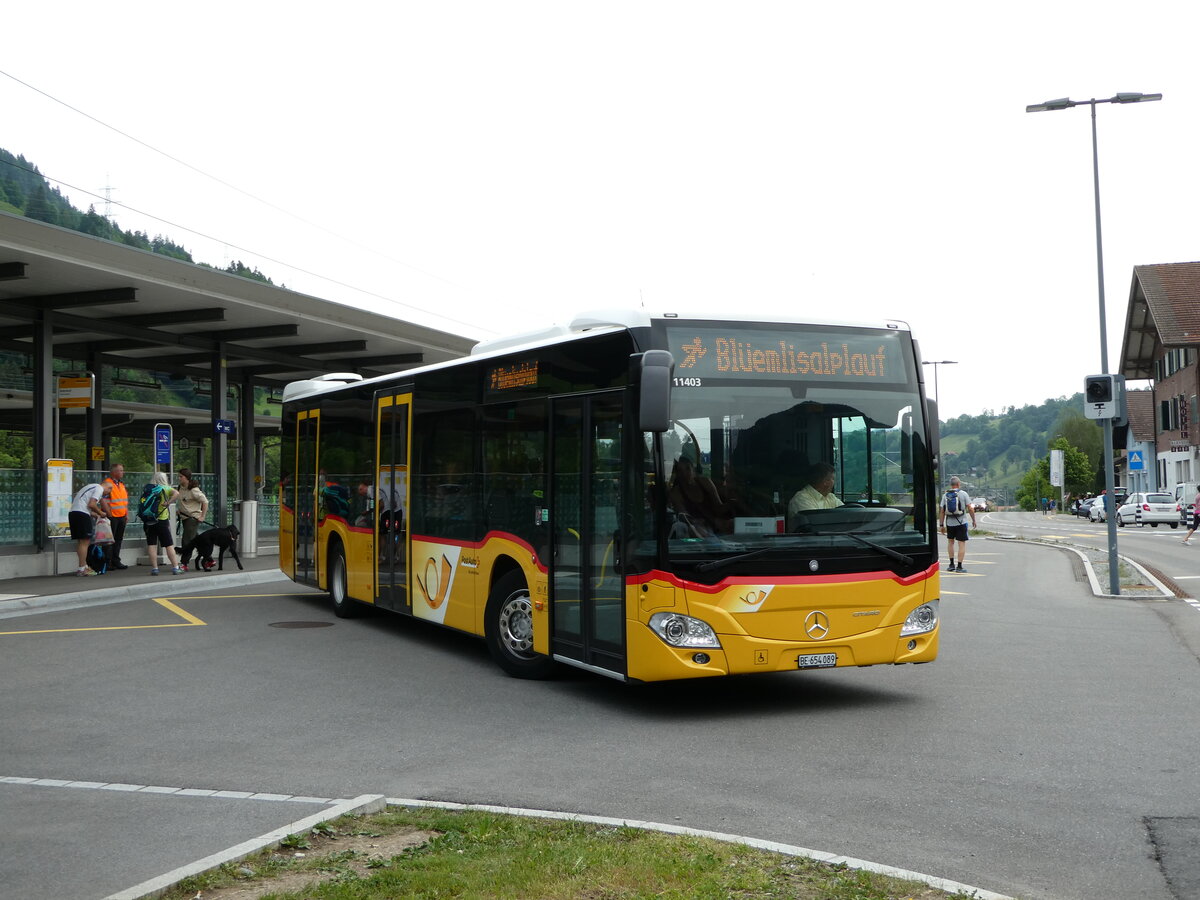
(70,296)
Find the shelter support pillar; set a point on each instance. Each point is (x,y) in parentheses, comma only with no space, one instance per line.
(45,412)
(247,446)
(220,442)
(94,422)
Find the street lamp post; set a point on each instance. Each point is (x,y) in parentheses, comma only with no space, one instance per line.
(1114,576)
(940,362)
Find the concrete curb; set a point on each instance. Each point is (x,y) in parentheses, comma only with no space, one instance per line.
(1097,591)
(156,887)
(167,586)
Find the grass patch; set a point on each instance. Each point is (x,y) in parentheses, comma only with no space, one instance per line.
(431,854)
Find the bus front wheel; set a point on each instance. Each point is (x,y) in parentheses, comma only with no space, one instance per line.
(343,606)
(508,628)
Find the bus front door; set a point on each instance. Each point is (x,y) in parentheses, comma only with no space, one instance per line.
(391,501)
(586,585)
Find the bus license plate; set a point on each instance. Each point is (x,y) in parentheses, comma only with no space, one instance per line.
(816,661)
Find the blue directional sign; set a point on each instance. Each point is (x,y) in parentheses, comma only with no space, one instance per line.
(225,426)
(1137,461)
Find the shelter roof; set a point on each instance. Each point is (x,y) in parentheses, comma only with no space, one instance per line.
(145,310)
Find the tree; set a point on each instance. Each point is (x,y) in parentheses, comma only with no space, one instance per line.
(1081,432)
(1077,476)
(39,206)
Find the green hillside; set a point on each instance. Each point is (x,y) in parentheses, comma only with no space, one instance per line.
(993,452)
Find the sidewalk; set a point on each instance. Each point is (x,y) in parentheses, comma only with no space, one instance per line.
(67,590)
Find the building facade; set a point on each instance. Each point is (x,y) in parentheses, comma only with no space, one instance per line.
(1162,344)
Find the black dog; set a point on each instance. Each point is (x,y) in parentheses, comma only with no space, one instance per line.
(225,539)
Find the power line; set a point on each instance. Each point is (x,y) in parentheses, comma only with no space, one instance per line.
(240,249)
(253,197)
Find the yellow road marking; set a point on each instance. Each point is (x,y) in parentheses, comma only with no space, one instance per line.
(190,620)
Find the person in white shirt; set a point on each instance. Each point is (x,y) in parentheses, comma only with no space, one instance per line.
(954,524)
(89,505)
(817,494)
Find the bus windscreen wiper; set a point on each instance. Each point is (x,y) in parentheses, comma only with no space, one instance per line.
(729,560)
(886,551)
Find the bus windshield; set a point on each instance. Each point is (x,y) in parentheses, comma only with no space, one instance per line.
(808,440)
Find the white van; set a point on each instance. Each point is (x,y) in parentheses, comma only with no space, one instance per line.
(1185,493)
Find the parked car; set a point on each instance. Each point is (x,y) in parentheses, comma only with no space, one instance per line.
(1096,510)
(1185,493)
(1085,507)
(1149,509)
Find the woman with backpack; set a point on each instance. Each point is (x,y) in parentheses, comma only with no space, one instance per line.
(154,509)
(192,509)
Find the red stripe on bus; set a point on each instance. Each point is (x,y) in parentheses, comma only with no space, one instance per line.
(726,583)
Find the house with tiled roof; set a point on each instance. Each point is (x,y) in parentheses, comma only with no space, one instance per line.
(1140,441)
(1162,344)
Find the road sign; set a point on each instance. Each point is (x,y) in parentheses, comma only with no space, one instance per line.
(162,445)
(1137,461)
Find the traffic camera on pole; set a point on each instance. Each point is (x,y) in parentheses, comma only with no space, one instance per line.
(1102,396)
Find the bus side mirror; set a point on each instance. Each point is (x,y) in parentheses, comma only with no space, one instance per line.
(654,398)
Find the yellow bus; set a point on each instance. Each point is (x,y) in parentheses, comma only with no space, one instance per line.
(632,495)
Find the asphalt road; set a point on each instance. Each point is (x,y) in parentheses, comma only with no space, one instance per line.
(1048,753)
(1159,547)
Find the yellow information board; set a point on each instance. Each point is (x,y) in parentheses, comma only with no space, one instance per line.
(60,474)
(76,391)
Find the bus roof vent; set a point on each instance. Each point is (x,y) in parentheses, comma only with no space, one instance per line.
(585,321)
(319,383)
(601,318)
(519,340)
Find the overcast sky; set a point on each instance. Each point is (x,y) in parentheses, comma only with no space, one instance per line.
(491,167)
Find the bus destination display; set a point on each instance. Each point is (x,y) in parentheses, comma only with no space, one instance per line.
(710,353)
(518,375)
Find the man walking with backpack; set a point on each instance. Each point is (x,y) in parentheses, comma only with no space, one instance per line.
(952,521)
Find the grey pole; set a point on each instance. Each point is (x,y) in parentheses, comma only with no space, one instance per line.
(937,403)
(1110,498)
(1110,507)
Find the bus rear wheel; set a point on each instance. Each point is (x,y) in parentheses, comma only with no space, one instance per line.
(508,629)
(343,606)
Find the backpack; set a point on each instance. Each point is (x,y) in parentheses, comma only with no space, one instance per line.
(96,560)
(952,504)
(150,504)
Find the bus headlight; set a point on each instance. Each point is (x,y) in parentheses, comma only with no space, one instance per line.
(683,631)
(921,620)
